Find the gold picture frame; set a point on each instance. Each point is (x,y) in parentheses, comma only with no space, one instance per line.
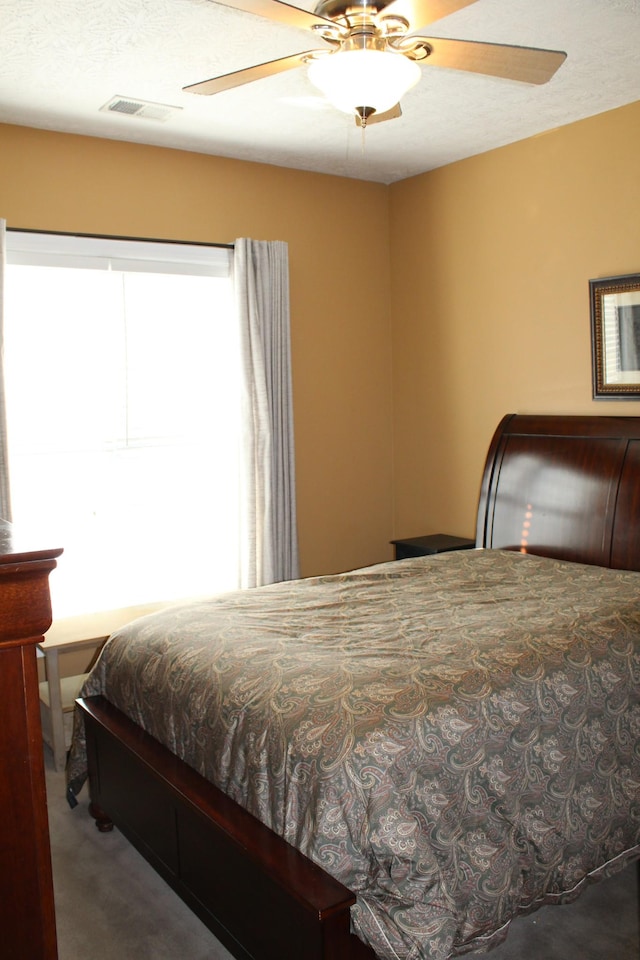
(615,337)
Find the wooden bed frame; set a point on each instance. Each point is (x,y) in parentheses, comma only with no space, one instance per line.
(566,487)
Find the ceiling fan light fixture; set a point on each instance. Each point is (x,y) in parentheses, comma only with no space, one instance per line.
(352,80)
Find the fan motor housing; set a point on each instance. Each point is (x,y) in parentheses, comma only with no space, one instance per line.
(341,9)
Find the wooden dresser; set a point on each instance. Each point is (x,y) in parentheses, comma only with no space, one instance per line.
(27,916)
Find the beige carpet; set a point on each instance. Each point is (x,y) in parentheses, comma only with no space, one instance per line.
(110,905)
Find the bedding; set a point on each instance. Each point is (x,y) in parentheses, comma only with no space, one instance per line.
(455,737)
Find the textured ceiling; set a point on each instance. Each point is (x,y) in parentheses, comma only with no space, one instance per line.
(62,60)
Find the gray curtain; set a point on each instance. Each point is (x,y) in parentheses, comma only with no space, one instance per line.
(269,552)
(5,496)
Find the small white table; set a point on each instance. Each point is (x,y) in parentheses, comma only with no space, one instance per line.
(57,695)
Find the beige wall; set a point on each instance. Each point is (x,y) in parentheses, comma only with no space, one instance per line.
(337,231)
(491,259)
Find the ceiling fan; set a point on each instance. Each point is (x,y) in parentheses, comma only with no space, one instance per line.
(373,51)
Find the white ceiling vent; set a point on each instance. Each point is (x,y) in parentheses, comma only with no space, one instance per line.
(139,108)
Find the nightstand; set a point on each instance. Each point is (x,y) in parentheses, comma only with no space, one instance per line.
(434,543)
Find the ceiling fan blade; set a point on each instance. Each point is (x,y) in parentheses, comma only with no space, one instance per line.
(381,117)
(420,13)
(526,64)
(236,79)
(278,11)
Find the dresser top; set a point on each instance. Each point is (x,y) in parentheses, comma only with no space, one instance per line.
(17,549)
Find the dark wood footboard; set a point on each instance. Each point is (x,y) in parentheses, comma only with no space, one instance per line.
(260,897)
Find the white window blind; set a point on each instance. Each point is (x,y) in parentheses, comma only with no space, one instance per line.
(122,390)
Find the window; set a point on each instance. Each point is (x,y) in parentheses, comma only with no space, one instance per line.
(122,392)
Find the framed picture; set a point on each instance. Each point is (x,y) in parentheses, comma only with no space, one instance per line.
(615,337)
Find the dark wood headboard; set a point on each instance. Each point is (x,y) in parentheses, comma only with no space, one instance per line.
(564,487)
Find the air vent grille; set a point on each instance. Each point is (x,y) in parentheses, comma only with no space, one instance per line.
(131,107)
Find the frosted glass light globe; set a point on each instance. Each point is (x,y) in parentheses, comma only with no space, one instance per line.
(352,79)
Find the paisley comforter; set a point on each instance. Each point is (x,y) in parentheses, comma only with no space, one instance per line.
(456,738)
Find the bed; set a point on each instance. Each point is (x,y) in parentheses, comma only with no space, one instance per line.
(397,761)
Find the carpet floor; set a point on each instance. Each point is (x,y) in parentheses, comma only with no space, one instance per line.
(110,905)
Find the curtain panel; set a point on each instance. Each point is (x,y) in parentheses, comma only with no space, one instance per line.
(269,551)
(5,492)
